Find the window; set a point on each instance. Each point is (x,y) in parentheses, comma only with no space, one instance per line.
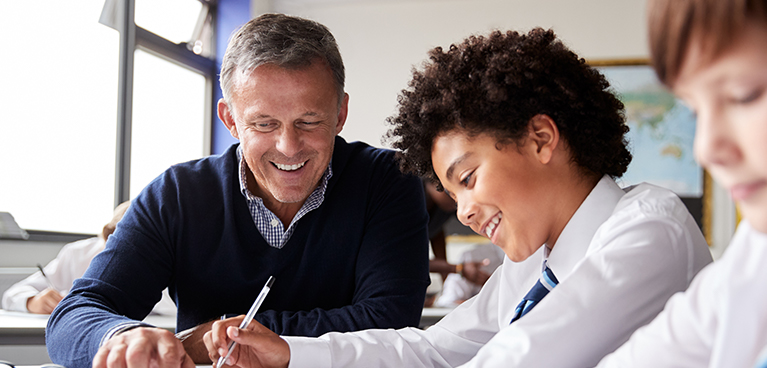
(62,149)
(173,20)
(59,101)
(168,118)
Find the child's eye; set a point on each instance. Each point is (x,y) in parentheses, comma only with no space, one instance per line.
(467,178)
(751,97)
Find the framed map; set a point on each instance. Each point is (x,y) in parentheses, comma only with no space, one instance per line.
(662,131)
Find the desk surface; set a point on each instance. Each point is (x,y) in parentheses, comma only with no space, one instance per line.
(18,328)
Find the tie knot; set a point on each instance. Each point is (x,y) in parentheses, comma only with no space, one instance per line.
(545,283)
(548,279)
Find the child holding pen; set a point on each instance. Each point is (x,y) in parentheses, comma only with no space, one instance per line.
(713,55)
(42,291)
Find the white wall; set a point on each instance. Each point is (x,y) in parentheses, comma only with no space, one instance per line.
(382,40)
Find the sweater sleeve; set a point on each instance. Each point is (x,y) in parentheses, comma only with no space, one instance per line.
(120,287)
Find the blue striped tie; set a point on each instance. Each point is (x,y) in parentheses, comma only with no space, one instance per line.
(545,283)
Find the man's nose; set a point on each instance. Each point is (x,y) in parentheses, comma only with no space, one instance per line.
(289,141)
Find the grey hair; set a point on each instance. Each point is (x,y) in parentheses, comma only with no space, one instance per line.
(286,41)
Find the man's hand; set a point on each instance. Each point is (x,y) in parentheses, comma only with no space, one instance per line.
(143,347)
(257,346)
(44,302)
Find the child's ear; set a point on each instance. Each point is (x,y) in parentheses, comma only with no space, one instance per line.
(544,134)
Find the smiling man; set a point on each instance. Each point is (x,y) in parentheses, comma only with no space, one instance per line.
(341,229)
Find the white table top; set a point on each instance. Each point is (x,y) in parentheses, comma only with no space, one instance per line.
(9,319)
(17,328)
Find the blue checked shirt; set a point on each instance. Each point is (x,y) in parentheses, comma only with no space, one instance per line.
(267,222)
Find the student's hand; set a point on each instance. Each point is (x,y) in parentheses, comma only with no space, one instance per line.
(143,347)
(472,271)
(257,346)
(44,302)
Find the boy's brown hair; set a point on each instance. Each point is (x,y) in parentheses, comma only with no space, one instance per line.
(714,24)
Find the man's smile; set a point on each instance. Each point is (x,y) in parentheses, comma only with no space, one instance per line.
(289,167)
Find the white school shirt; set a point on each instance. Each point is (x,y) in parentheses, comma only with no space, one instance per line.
(71,262)
(720,321)
(618,259)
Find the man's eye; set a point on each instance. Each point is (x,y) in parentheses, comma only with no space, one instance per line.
(265,126)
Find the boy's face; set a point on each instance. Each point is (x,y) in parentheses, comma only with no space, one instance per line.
(729,96)
(499,192)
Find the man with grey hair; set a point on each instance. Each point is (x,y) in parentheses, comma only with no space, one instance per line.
(339,227)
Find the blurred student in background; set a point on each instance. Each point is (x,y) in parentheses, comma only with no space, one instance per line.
(713,55)
(35,294)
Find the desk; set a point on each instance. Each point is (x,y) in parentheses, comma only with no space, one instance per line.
(430,316)
(22,335)
(29,329)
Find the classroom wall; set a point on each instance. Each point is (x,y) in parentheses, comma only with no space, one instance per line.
(382,40)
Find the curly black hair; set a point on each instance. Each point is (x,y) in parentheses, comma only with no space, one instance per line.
(495,85)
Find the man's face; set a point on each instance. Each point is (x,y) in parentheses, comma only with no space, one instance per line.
(286,121)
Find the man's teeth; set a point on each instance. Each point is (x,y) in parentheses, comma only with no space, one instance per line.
(289,167)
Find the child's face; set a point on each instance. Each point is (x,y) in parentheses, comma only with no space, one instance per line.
(499,192)
(729,96)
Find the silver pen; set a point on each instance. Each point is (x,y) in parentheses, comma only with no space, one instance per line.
(248,317)
(50,284)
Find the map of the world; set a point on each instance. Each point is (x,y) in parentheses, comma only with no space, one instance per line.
(662,132)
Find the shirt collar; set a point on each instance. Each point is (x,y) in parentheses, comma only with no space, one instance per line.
(576,237)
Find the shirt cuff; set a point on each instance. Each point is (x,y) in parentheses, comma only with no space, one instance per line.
(18,302)
(308,352)
(122,327)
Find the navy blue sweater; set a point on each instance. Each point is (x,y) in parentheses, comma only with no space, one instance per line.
(358,261)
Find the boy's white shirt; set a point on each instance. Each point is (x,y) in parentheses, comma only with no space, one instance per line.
(720,321)
(619,258)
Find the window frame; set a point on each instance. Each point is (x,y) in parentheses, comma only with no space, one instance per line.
(133,37)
